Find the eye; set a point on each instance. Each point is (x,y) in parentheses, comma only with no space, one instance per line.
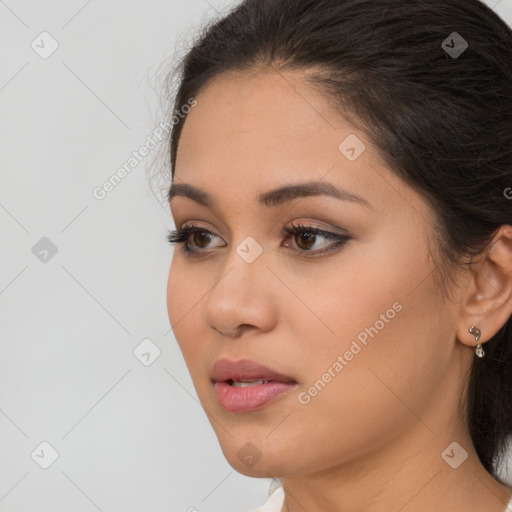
(197,233)
(305,238)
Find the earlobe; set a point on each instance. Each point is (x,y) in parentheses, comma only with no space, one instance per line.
(479,351)
(487,305)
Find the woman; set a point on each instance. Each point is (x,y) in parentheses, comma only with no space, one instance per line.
(342,289)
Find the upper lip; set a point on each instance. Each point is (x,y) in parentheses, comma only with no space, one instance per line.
(245,369)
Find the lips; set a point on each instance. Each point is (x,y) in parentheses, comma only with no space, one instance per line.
(245,370)
(265,387)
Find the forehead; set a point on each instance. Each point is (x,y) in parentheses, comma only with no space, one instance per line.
(276,109)
(254,132)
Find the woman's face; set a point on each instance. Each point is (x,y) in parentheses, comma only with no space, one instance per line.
(359,328)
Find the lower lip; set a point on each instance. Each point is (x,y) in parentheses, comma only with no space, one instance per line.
(250,398)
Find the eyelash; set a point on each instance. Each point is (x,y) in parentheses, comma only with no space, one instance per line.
(178,236)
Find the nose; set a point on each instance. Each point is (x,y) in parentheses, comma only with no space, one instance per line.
(243,297)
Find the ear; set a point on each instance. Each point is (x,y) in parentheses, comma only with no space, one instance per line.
(487,301)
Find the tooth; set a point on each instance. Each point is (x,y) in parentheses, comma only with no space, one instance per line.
(245,383)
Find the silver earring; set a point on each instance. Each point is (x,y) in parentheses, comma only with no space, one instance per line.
(479,351)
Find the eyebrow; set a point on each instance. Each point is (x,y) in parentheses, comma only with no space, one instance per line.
(273,197)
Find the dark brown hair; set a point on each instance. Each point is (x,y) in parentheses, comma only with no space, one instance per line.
(441,121)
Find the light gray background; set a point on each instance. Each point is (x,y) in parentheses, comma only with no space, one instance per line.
(129,437)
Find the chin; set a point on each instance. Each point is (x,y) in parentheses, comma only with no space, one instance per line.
(251,461)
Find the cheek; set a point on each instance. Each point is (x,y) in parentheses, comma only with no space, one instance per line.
(380,297)
(183,303)
(174,287)
(357,297)
(185,293)
(377,348)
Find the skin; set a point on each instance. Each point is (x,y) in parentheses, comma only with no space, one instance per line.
(372,438)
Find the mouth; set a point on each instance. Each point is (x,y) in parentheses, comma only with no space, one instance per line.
(246,383)
(245,373)
(245,386)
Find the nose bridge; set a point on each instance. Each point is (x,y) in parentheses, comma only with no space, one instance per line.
(240,295)
(250,250)
(245,264)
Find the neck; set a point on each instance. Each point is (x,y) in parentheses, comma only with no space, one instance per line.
(407,475)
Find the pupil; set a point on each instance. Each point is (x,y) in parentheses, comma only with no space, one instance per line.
(204,236)
(309,237)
